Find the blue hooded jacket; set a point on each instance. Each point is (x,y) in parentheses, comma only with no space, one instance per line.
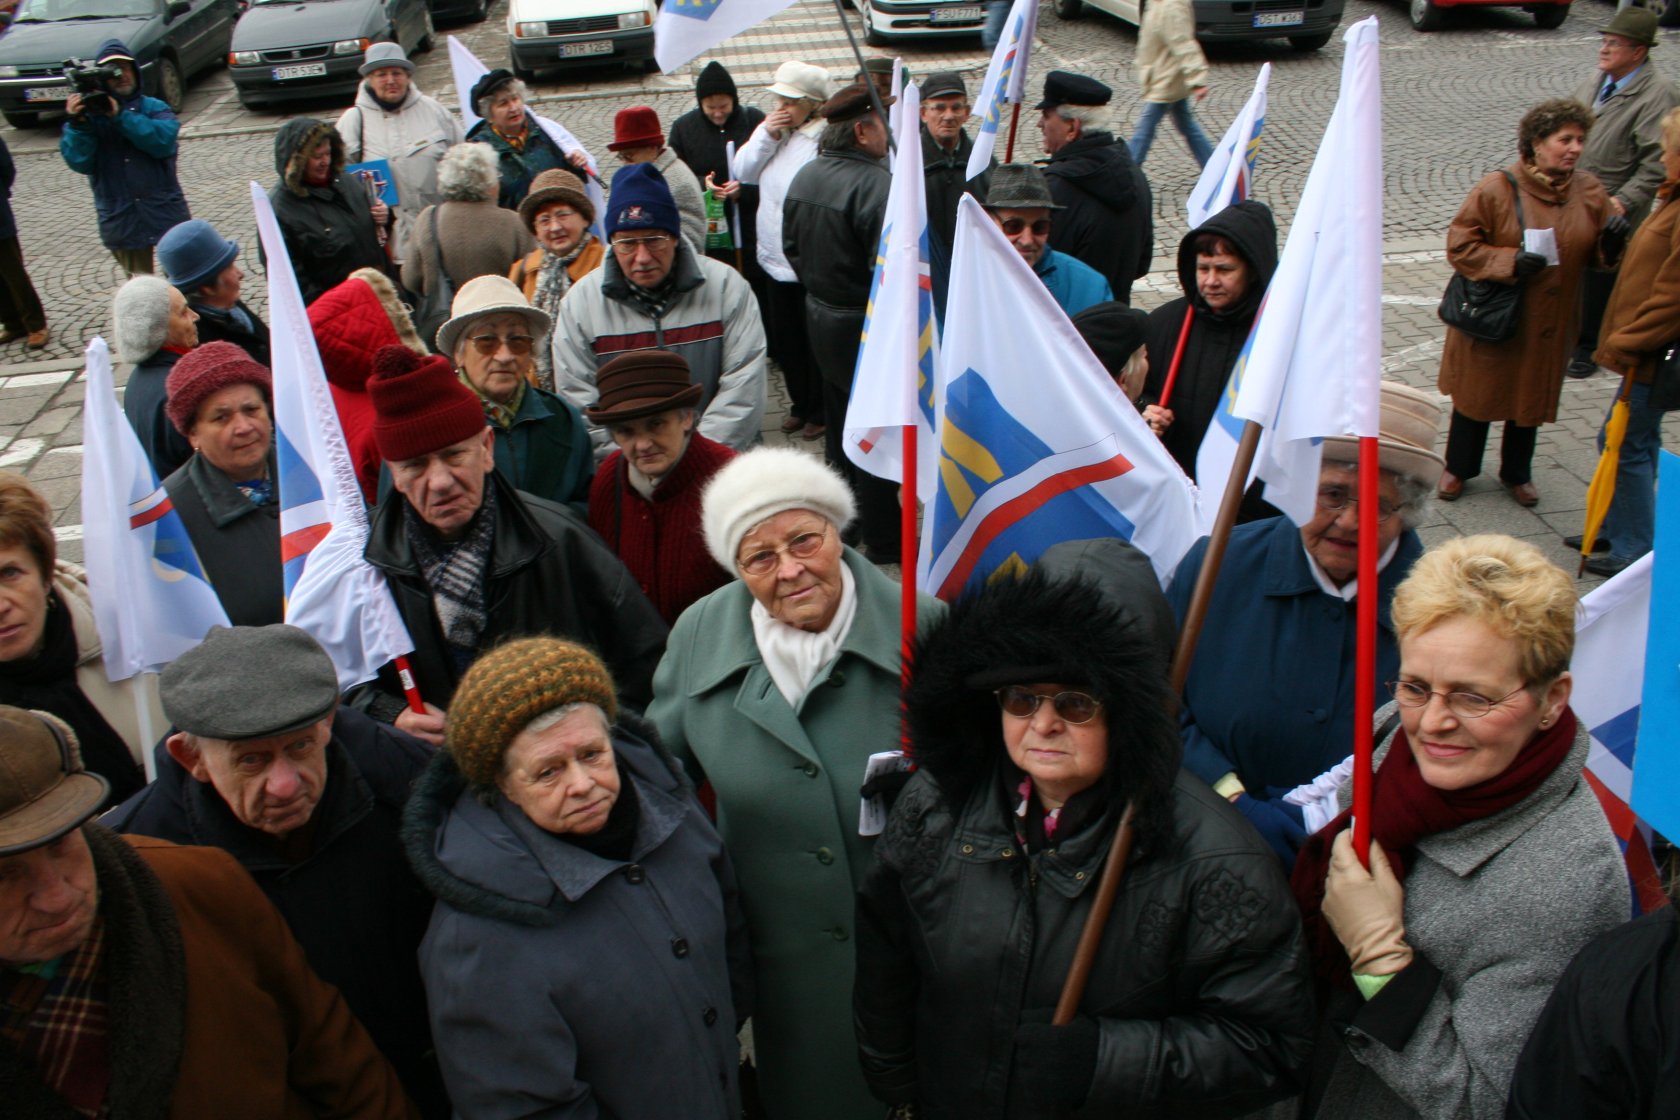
(130,159)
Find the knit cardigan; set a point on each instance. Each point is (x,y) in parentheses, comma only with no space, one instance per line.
(660,540)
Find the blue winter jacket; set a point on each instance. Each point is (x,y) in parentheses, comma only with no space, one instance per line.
(130,159)
(1074,284)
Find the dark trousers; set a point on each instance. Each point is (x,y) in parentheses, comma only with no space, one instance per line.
(789,343)
(1595,297)
(20,307)
(877,498)
(1467,440)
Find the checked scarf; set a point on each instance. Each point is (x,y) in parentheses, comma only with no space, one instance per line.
(454,570)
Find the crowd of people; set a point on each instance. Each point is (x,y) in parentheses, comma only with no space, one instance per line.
(599,847)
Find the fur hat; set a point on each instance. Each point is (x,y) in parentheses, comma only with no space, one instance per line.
(757,485)
(45,790)
(512,685)
(419,405)
(206,370)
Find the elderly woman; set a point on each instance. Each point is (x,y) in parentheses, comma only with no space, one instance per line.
(645,500)
(777,149)
(51,659)
(558,213)
(153,326)
(586,956)
(1640,325)
(1491,862)
(1519,380)
(493,336)
(219,400)
(1269,703)
(777,689)
(986,873)
(523,149)
(467,234)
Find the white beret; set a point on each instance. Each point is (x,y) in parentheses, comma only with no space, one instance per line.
(757,485)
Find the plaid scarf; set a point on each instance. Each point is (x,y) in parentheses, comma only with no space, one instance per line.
(654,300)
(454,570)
(55,1017)
(499,414)
(553,282)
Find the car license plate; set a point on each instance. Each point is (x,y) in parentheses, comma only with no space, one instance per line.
(306,70)
(1280,19)
(954,15)
(47,93)
(585,50)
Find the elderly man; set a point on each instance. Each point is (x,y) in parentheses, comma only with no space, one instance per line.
(153,326)
(542,446)
(645,501)
(945,151)
(656,292)
(1019,202)
(1109,221)
(1624,147)
(831,231)
(125,143)
(308,797)
(138,978)
(472,561)
(204,266)
(393,121)
(637,138)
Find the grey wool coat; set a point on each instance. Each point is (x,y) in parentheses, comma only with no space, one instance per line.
(787,796)
(1499,907)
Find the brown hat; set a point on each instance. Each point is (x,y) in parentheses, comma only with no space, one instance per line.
(509,687)
(1406,431)
(642,383)
(851,103)
(45,791)
(206,370)
(553,186)
(419,405)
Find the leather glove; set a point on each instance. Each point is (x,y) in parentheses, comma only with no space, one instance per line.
(1054,1065)
(1366,909)
(1280,824)
(1528,264)
(888,784)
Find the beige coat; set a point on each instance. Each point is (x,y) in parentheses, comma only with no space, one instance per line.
(1170,63)
(116,702)
(1520,379)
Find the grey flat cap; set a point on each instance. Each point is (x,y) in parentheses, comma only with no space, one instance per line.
(249,682)
(1019,186)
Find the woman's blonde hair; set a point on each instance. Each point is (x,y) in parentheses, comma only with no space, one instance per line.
(1505,584)
(1670,126)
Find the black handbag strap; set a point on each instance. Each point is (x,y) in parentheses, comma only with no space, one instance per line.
(1516,197)
(442,277)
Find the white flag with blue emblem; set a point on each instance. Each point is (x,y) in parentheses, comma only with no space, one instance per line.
(1229,174)
(1006,81)
(686,29)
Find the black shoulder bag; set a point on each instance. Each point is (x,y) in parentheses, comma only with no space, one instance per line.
(433,309)
(1485,310)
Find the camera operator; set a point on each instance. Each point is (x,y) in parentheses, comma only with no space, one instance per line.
(125,143)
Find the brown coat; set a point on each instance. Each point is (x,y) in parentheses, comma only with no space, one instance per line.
(1643,315)
(524,271)
(477,239)
(1520,379)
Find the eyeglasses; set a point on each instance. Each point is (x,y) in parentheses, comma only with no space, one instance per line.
(802,547)
(553,216)
(627,246)
(1071,707)
(488,344)
(1334,499)
(1464,705)
(1013,226)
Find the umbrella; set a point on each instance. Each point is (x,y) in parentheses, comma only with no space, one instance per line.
(1603,485)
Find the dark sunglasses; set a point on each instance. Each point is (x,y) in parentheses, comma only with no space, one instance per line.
(1071,707)
(488,344)
(1013,226)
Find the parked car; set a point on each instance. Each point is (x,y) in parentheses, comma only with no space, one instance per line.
(460,11)
(887,20)
(1429,15)
(288,50)
(171,39)
(545,34)
(1307,24)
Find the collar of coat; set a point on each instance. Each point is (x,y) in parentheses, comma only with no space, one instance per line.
(936,158)
(1287,573)
(223,500)
(516,540)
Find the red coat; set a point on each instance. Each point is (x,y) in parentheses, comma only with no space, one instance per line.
(660,540)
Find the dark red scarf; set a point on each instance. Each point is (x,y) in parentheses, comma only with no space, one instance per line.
(1404,810)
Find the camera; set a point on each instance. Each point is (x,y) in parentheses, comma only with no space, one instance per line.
(91,80)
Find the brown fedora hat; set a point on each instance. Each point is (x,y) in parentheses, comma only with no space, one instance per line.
(642,383)
(44,789)
(1406,433)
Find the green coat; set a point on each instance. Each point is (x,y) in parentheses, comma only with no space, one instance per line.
(787,796)
(546,451)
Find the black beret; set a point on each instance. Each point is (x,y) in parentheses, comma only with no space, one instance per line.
(1062,88)
(1113,331)
(851,103)
(489,84)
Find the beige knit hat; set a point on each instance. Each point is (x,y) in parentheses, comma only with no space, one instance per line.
(510,686)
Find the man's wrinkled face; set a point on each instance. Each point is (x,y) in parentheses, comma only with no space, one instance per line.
(270,784)
(1027,229)
(871,137)
(49,897)
(944,117)
(1057,133)
(1619,56)
(125,86)
(389,83)
(446,486)
(645,256)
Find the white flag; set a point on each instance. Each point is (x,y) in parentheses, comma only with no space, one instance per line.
(686,29)
(1006,81)
(1229,174)
(331,591)
(1312,365)
(151,600)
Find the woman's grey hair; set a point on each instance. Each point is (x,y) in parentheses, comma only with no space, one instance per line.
(468,173)
(140,317)
(1417,499)
(515,88)
(839,136)
(1091,118)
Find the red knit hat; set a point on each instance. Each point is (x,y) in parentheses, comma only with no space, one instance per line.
(205,370)
(636,127)
(419,405)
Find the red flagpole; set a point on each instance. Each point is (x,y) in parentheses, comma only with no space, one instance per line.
(1178,356)
(1365,661)
(1014,121)
(907,575)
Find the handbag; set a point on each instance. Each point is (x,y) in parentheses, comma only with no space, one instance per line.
(1486,310)
(433,309)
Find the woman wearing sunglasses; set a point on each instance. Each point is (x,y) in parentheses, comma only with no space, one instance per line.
(1491,862)
(1037,712)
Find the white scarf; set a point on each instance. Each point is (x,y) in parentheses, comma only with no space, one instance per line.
(795,657)
(1348,590)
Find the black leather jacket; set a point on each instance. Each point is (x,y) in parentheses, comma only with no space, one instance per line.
(831,230)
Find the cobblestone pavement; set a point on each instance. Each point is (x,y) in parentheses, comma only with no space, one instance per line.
(1452,102)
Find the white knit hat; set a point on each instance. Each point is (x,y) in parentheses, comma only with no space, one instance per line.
(757,485)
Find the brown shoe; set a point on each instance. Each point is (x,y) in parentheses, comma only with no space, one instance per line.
(813,431)
(38,339)
(792,424)
(1450,488)
(1524,494)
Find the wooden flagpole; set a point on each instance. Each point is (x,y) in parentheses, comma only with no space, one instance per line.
(874,94)
(1014,122)
(1365,656)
